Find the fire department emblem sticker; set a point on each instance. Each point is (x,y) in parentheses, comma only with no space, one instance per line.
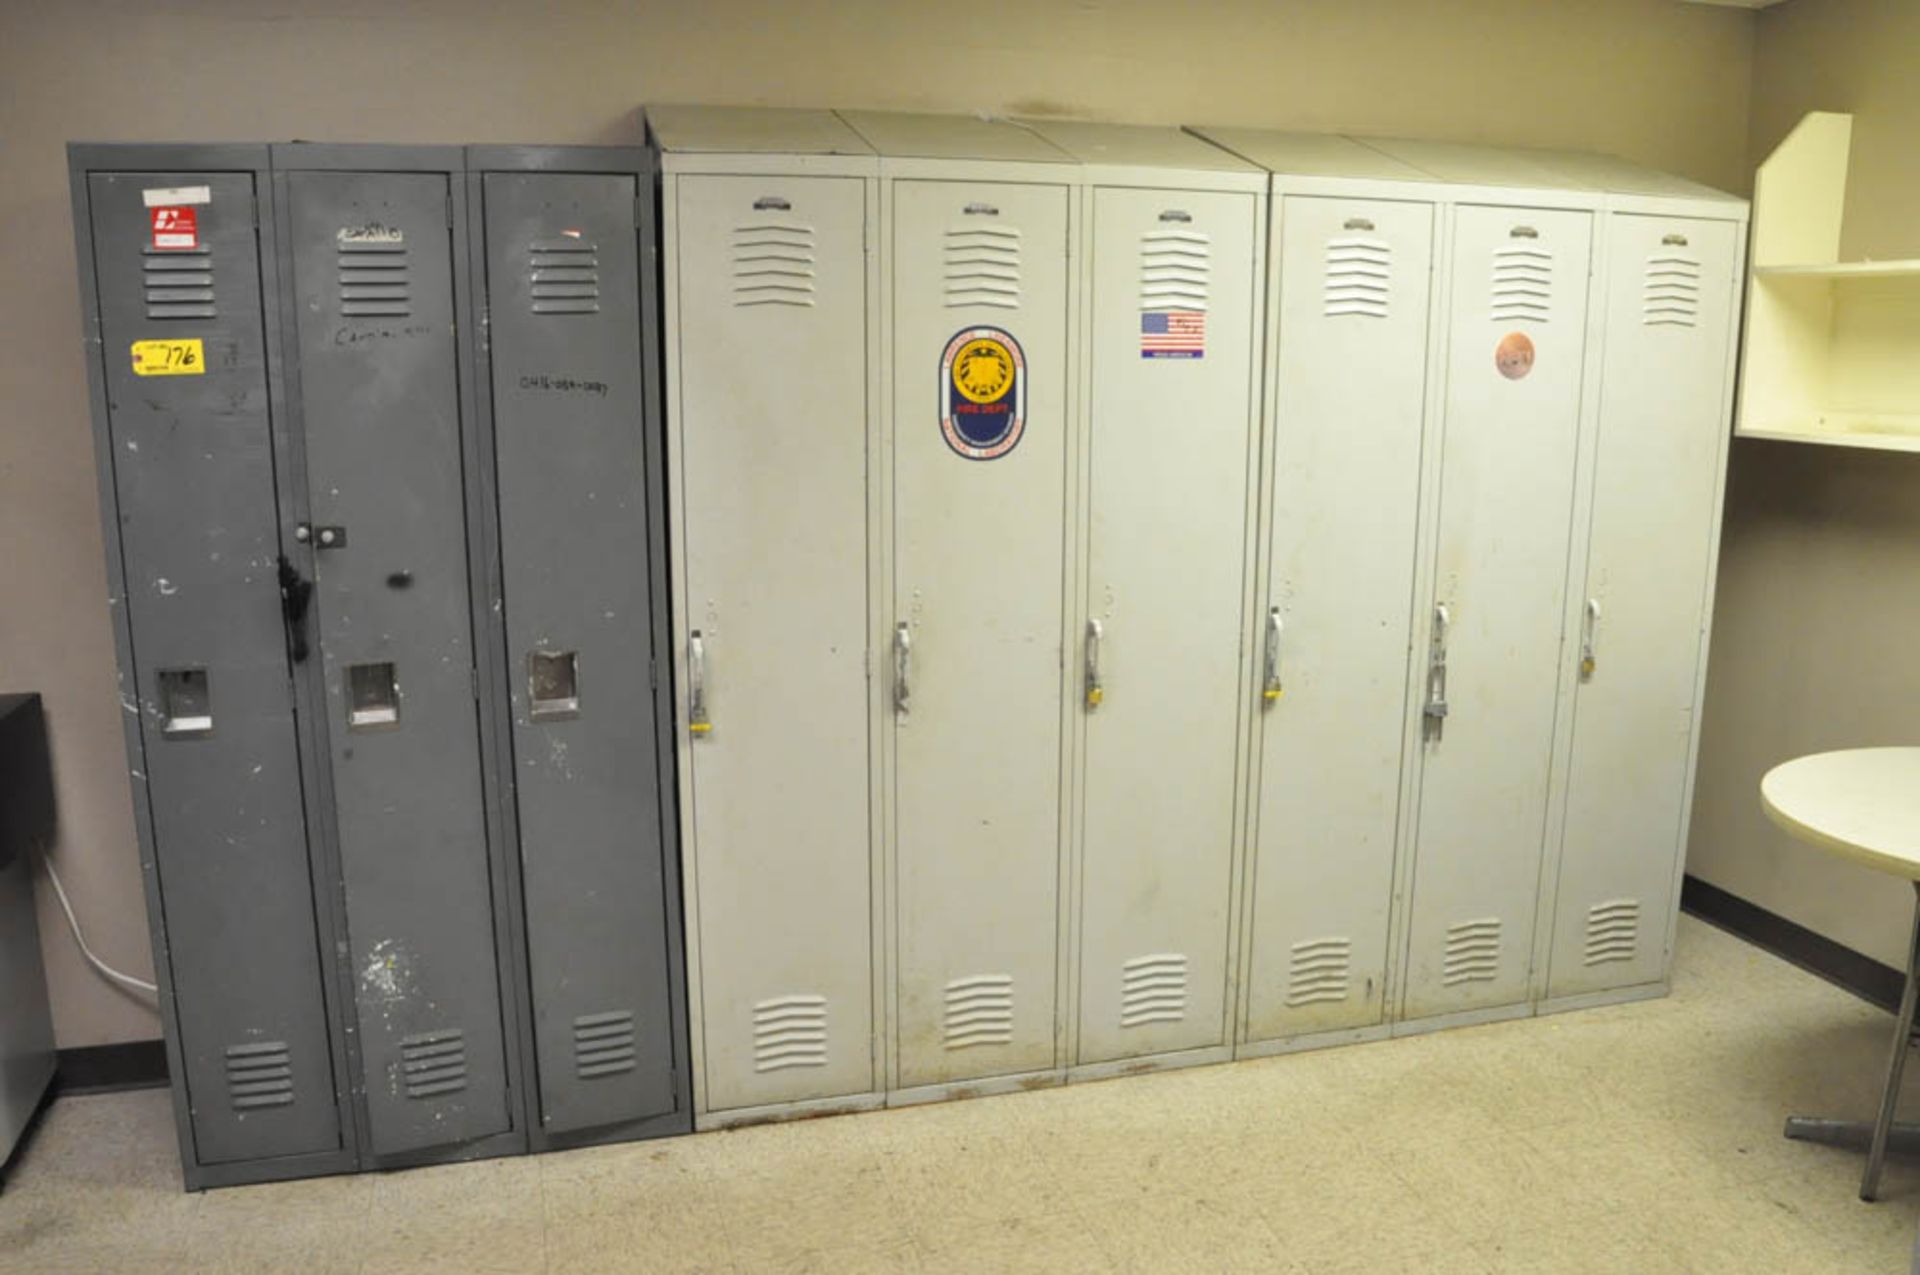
(983,393)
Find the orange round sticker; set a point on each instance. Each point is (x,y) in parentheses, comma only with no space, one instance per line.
(1514,355)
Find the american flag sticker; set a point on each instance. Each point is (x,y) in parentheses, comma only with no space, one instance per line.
(1173,334)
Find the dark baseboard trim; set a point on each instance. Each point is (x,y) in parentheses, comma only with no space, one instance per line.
(1794,943)
(134,1064)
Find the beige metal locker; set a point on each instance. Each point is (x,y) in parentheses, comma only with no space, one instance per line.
(767,216)
(977,291)
(1349,394)
(1516,353)
(1174,254)
(1671,288)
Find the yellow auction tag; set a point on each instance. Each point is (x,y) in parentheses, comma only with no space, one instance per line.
(183,357)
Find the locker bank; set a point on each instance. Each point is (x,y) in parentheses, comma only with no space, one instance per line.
(367,416)
(958,638)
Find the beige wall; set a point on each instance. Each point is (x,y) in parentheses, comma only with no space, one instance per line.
(1817,627)
(1655,80)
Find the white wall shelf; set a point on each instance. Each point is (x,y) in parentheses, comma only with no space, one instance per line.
(1848,270)
(1832,350)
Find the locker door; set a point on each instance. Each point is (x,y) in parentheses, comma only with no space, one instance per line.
(193,467)
(1350,371)
(770,445)
(372,276)
(1172,428)
(1662,424)
(1516,337)
(979,432)
(570,435)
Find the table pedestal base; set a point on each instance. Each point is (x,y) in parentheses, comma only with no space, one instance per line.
(1882,1134)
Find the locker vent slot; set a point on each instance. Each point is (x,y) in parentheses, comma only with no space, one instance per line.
(1522,284)
(259,1074)
(564,276)
(1473,952)
(603,1043)
(1359,277)
(773,263)
(374,278)
(790,1031)
(434,1062)
(1153,989)
(982,267)
(179,283)
(1319,970)
(979,1011)
(1613,931)
(1176,268)
(1672,294)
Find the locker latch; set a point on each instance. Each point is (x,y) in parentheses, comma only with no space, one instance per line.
(1094,692)
(1270,688)
(1435,709)
(697,721)
(902,667)
(1588,637)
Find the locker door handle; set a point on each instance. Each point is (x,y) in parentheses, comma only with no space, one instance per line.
(697,684)
(902,666)
(1093,690)
(296,592)
(1589,639)
(1270,688)
(1435,709)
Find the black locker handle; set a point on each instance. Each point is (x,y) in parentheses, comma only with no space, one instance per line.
(296,592)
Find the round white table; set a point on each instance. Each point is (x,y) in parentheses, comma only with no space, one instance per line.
(1861,804)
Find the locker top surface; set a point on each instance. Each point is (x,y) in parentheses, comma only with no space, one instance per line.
(1455,163)
(746,130)
(907,135)
(1309,154)
(1138,146)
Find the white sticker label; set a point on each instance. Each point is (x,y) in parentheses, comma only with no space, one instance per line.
(161,196)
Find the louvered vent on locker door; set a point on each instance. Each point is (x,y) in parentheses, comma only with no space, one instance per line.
(1473,952)
(563,275)
(979,1011)
(1153,989)
(1522,282)
(1359,277)
(790,1031)
(1613,931)
(1671,297)
(259,1074)
(434,1063)
(603,1043)
(1319,970)
(773,263)
(374,278)
(1176,269)
(179,283)
(981,266)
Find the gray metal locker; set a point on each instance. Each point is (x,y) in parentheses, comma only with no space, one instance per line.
(1516,319)
(568,283)
(977,287)
(172,284)
(771,321)
(1670,288)
(1173,246)
(1349,384)
(378,393)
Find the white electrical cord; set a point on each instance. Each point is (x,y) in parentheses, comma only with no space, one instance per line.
(73,923)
